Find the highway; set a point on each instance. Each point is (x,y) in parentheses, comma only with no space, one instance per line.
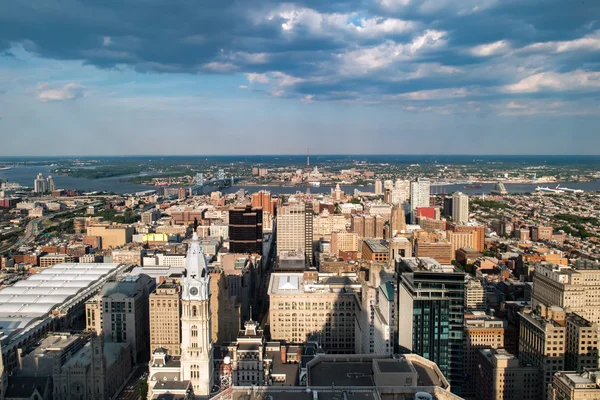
(29,235)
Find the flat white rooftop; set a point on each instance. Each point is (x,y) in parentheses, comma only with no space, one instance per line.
(39,294)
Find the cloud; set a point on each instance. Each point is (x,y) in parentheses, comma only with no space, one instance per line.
(432,94)
(589,42)
(242,87)
(258,78)
(344,51)
(70,91)
(490,49)
(578,80)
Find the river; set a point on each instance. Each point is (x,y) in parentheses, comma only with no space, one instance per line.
(25,175)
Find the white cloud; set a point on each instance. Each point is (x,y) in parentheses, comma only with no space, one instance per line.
(515,106)
(490,49)
(106,41)
(69,91)
(252,58)
(433,94)
(308,98)
(394,4)
(243,87)
(587,43)
(373,27)
(217,66)
(258,78)
(364,60)
(338,24)
(577,80)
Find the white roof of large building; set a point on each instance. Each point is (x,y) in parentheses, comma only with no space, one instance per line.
(39,294)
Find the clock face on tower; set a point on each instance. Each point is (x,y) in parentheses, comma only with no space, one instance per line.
(194,291)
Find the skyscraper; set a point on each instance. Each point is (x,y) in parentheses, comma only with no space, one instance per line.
(263,199)
(460,208)
(397,219)
(196,341)
(40,184)
(165,315)
(430,314)
(295,229)
(419,195)
(378,187)
(245,230)
(51,184)
(401,192)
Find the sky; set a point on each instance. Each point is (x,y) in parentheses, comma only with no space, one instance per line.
(126,77)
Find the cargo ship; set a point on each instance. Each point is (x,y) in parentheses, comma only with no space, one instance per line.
(475,186)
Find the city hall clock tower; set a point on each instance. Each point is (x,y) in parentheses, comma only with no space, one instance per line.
(196,341)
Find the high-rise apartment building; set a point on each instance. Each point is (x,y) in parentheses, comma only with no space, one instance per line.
(477,230)
(542,343)
(419,194)
(460,208)
(573,288)
(481,332)
(474,295)
(344,241)
(302,305)
(263,199)
(376,326)
(40,184)
(431,314)
(460,240)
(245,230)
(295,229)
(401,192)
(325,224)
(582,344)
(554,341)
(440,251)
(368,226)
(125,313)
(224,308)
(501,376)
(378,187)
(573,385)
(165,315)
(51,184)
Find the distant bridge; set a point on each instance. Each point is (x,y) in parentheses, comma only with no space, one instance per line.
(221,183)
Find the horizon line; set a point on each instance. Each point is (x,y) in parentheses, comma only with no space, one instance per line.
(304,155)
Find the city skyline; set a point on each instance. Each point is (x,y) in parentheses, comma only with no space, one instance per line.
(476,77)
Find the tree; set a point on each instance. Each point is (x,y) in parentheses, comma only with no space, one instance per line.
(143,388)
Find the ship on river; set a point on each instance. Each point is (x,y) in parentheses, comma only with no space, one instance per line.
(557,190)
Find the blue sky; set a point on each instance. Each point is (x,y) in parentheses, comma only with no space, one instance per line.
(123,77)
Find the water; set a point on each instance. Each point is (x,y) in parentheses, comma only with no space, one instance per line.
(25,175)
(487,188)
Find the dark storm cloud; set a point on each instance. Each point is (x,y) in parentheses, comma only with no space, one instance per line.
(330,50)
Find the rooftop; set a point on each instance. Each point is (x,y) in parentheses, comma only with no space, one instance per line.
(376,245)
(290,283)
(39,294)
